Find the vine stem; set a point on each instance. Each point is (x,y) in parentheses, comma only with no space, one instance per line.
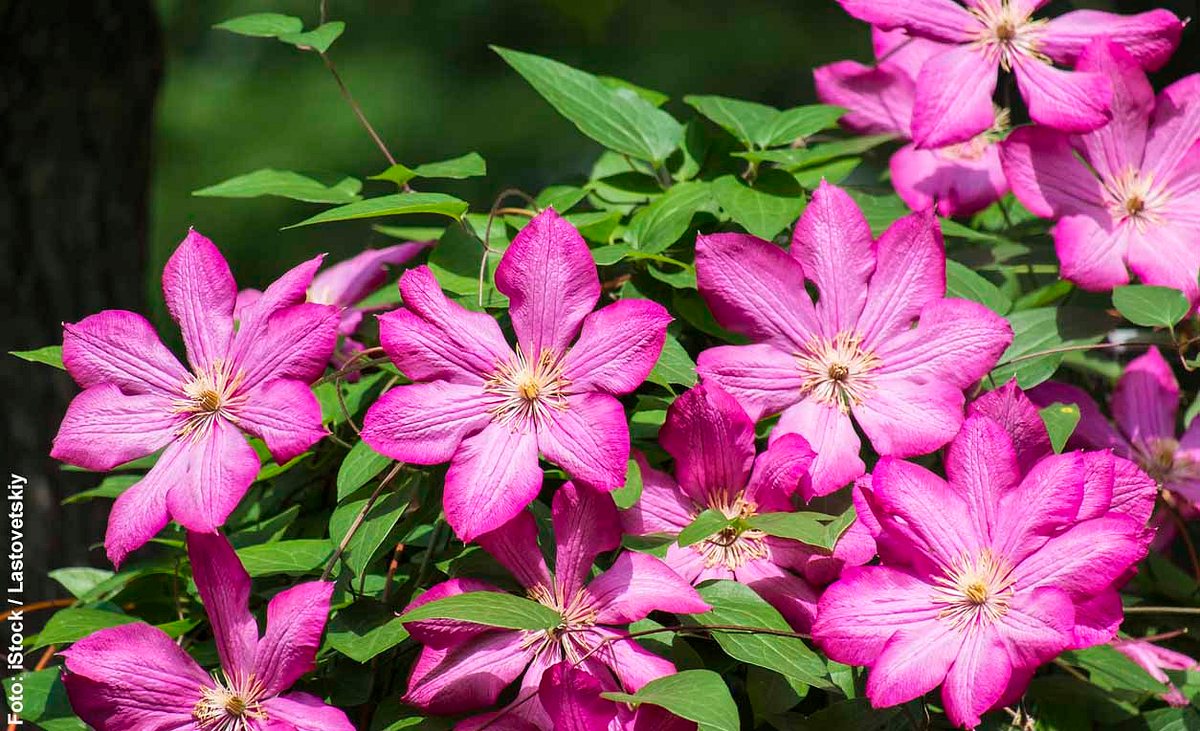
(37,606)
(1073,348)
(358,520)
(346,369)
(358,111)
(1162,610)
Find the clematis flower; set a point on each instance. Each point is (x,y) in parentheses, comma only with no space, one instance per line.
(463,666)
(344,285)
(983,577)
(572,699)
(138,398)
(1125,195)
(489,410)
(955,87)
(1156,661)
(1144,406)
(712,442)
(855,352)
(134,677)
(959,179)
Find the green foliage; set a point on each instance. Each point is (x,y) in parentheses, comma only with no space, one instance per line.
(697,695)
(285,184)
(391,205)
(1150,306)
(50,355)
(1061,420)
(492,609)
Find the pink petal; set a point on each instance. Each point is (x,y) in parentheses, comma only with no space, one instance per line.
(712,441)
(1009,407)
(221,465)
(1091,254)
(572,699)
(224,587)
(981,464)
(633,664)
(753,287)
(910,273)
(468,677)
(515,546)
(780,471)
(585,525)
(294,343)
(1037,626)
(830,434)
(1151,37)
(638,584)
(132,677)
(791,595)
(1134,492)
(1097,620)
(906,415)
(104,428)
(349,281)
(1098,472)
(589,439)
(662,508)
(763,378)
(939,20)
(304,712)
(1084,559)
(434,338)
(978,678)
(960,180)
(896,49)
(115,346)
(550,279)
(1047,177)
(1070,101)
(833,243)
(1093,430)
(444,633)
(915,661)
(880,100)
(924,511)
(424,423)
(200,294)
(954,97)
(860,612)
(618,347)
(285,414)
(140,512)
(1048,499)
(1117,147)
(1175,127)
(295,622)
(1146,398)
(1167,255)
(492,477)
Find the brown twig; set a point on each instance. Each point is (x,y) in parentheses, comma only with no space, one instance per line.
(37,606)
(358,521)
(358,112)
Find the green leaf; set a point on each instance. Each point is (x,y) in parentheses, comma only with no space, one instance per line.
(391,205)
(45,700)
(79,580)
(470,165)
(656,227)
(72,624)
(364,629)
(374,528)
(1111,670)
(561,198)
(455,262)
(1061,420)
(110,487)
(295,558)
(798,123)
(697,695)
(628,494)
(1038,331)
(622,122)
(771,205)
(744,120)
(738,605)
(963,282)
(284,184)
(803,157)
(262,25)
(1150,306)
(656,98)
(674,367)
(490,608)
(1171,719)
(610,254)
(318,39)
(705,524)
(50,355)
(360,465)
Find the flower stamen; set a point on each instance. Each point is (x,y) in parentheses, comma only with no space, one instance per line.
(837,372)
(528,391)
(974,591)
(209,395)
(230,706)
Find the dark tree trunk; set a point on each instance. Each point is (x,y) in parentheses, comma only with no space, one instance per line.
(78,80)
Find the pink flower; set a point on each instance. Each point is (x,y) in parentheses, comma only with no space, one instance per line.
(135,677)
(983,577)
(1126,194)
(347,283)
(955,87)
(138,398)
(712,442)
(1144,407)
(463,666)
(1156,660)
(855,351)
(959,179)
(489,410)
(573,702)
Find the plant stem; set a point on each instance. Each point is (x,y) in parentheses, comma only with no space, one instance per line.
(358,112)
(1162,610)
(358,521)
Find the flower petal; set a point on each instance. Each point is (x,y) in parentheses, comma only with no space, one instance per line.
(1070,101)
(833,243)
(444,633)
(764,379)
(349,281)
(860,612)
(978,678)
(585,525)
(285,414)
(120,347)
(1167,255)
(1117,147)
(712,441)
(254,313)
(140,512)
(915,661)
(981,464)
(295,622)
(221,465)
(1090,254)
(955,343)
(294,343)
(925,512)
(467,677)
(831,435)
(791,595)
(662,508)
(1097,620)
(1047,177)
(515,546)
(1093,430)
(1084,559)
(492,477)
(200,294)
(879,100)
(939,20)
(304,712)
(618,347)
(550,279)
(1134,492)
(633,664)
(224,587)
(638,584)
(1048,499)
(1146,398)
(1151,37)
(424,423)
(954,97)
(1175,127)
(780,472)
(910,273)
(1009,407)
(104,428)
(909,415)
(1037,625)
(572,699)
(589,439)
(958,180)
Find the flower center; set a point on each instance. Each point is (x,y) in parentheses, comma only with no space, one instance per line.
(230,706)
(1007,32)
(974,591)
(1132,197)
(977,146)
(1161,459)
(737,544)
(209,395)
(569,640)
(528,391)
(838,371)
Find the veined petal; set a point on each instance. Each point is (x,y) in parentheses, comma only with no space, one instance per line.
(1150,37)
(515,546)
(550,279)
(637,584)
(589,439)
(618,347)
(1117,147)
(833,243)
(780,472)
(1175,127)
(791,595)
(958,180)
(224,588)
(1146,398)
(289,290)
(424,423)
(1085,558)
(572,699)
(349,281)
(1048,498)
(860,612)
(294,343)
(1047,177)
(939,20)
(1167,255)
(585,525)
(1037,625)
(120,347)
(910,273)
(285,414)
(104,428)
(304,712)
(469,676)
(633,664)
(295,622)
(910,414)
(140,512)
(956,342)
(1091,253)
(1016,413)
(915,661)
(221,465)
(763,378)
(1097,620)
(712,441)
(494,474)
(981,464)
(1093,430)
(954,97)
(918,507)
(977,679)
(663,507)
(200,294)
(1070,101)
(879,100)
(1134,492)
(831,435)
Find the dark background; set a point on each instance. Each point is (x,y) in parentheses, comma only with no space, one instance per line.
(113,111)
